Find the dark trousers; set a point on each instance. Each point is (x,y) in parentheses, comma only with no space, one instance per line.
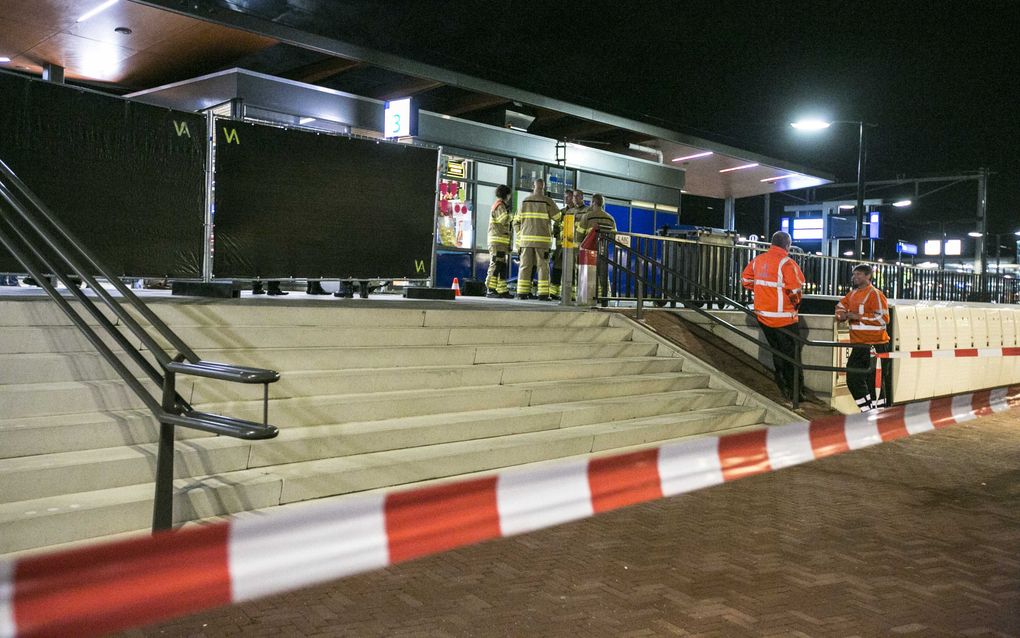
(783,340)
(862,384)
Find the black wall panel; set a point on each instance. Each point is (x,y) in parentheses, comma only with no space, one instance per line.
(299,204)
(127,178)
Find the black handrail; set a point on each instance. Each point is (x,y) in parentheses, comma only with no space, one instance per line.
(605,240)
(171,410)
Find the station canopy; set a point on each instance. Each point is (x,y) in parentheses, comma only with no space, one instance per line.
(170,41)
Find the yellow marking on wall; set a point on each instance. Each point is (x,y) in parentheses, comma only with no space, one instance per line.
(181,128)
(231,135)
(419,265)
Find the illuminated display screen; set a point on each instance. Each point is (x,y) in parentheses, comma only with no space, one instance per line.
(954,247)
(808,229)
(933,247)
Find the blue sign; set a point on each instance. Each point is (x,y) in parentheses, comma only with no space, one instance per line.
(873,225)
(904,248)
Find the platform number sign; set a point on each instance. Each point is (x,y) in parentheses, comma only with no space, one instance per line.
(399,119)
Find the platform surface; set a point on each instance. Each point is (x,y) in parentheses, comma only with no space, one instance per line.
(919,537)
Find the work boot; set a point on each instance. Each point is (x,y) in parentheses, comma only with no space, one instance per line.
(274,289)
(257,289)
(315,288)
(543,298)
(492,294)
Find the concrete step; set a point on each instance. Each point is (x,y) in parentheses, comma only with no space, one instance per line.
(225,337)
(50,339)
(367,380)
(245,313)
(65,518)
(52,474)
(57,339)
(89,366)
(340,358)
(303,411)
(54,434)
(69,397)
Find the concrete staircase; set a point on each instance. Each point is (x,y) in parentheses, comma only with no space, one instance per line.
(371,397)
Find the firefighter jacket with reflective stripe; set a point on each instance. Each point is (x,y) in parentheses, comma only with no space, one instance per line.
(534,222)
(873,307)
(592,218)
(579,214)
(777,282)
(499,227)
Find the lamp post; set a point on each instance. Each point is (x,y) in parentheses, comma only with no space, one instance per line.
(811,125)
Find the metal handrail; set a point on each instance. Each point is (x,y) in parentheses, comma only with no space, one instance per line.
(830,274)
(171,410)
(607,239)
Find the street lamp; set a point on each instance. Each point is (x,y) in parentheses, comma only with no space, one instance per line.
(813,125)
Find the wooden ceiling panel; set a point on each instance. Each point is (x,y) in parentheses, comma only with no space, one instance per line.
(206,39)
(55,15)
(18,37)
(148,26)
(81,57)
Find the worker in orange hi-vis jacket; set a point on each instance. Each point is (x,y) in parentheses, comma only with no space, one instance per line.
(777,282)
(867,310)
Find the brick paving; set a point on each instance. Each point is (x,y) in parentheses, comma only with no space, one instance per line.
(919,537)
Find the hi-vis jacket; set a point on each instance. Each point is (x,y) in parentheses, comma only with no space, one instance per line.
(499,227)
(873,307)
(534,222)
(776,281)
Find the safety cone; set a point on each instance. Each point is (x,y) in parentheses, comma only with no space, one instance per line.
(456,287)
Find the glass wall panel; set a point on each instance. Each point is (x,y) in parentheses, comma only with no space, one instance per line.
(491,173)
(483,208)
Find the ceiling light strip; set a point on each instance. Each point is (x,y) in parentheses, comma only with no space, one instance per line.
(738,168)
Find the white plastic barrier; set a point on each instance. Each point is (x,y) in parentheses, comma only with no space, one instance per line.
(942,327)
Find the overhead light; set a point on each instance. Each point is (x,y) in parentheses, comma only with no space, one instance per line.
(975,233)
(103,7)
(848,253)
(738,168)
(1017,233)
(810,125)
(690,157)
(4,59)
(775,179)
(306,120)
(902,203)
(847,207)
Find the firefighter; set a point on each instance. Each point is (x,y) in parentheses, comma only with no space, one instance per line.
(499,244)
(534,224)
(867,310)
(569,207)
(595,215)
(777,282)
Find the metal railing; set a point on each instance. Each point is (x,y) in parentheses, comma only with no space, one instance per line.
(638,268)
(718,267)
(44,246)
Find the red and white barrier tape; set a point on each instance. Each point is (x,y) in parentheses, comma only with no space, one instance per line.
(113,586)
(951,354)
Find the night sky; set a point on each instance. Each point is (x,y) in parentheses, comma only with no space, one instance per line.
(940,79)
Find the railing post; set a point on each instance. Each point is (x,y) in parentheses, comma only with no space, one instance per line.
(163,502)
(640,298)
(797,371)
